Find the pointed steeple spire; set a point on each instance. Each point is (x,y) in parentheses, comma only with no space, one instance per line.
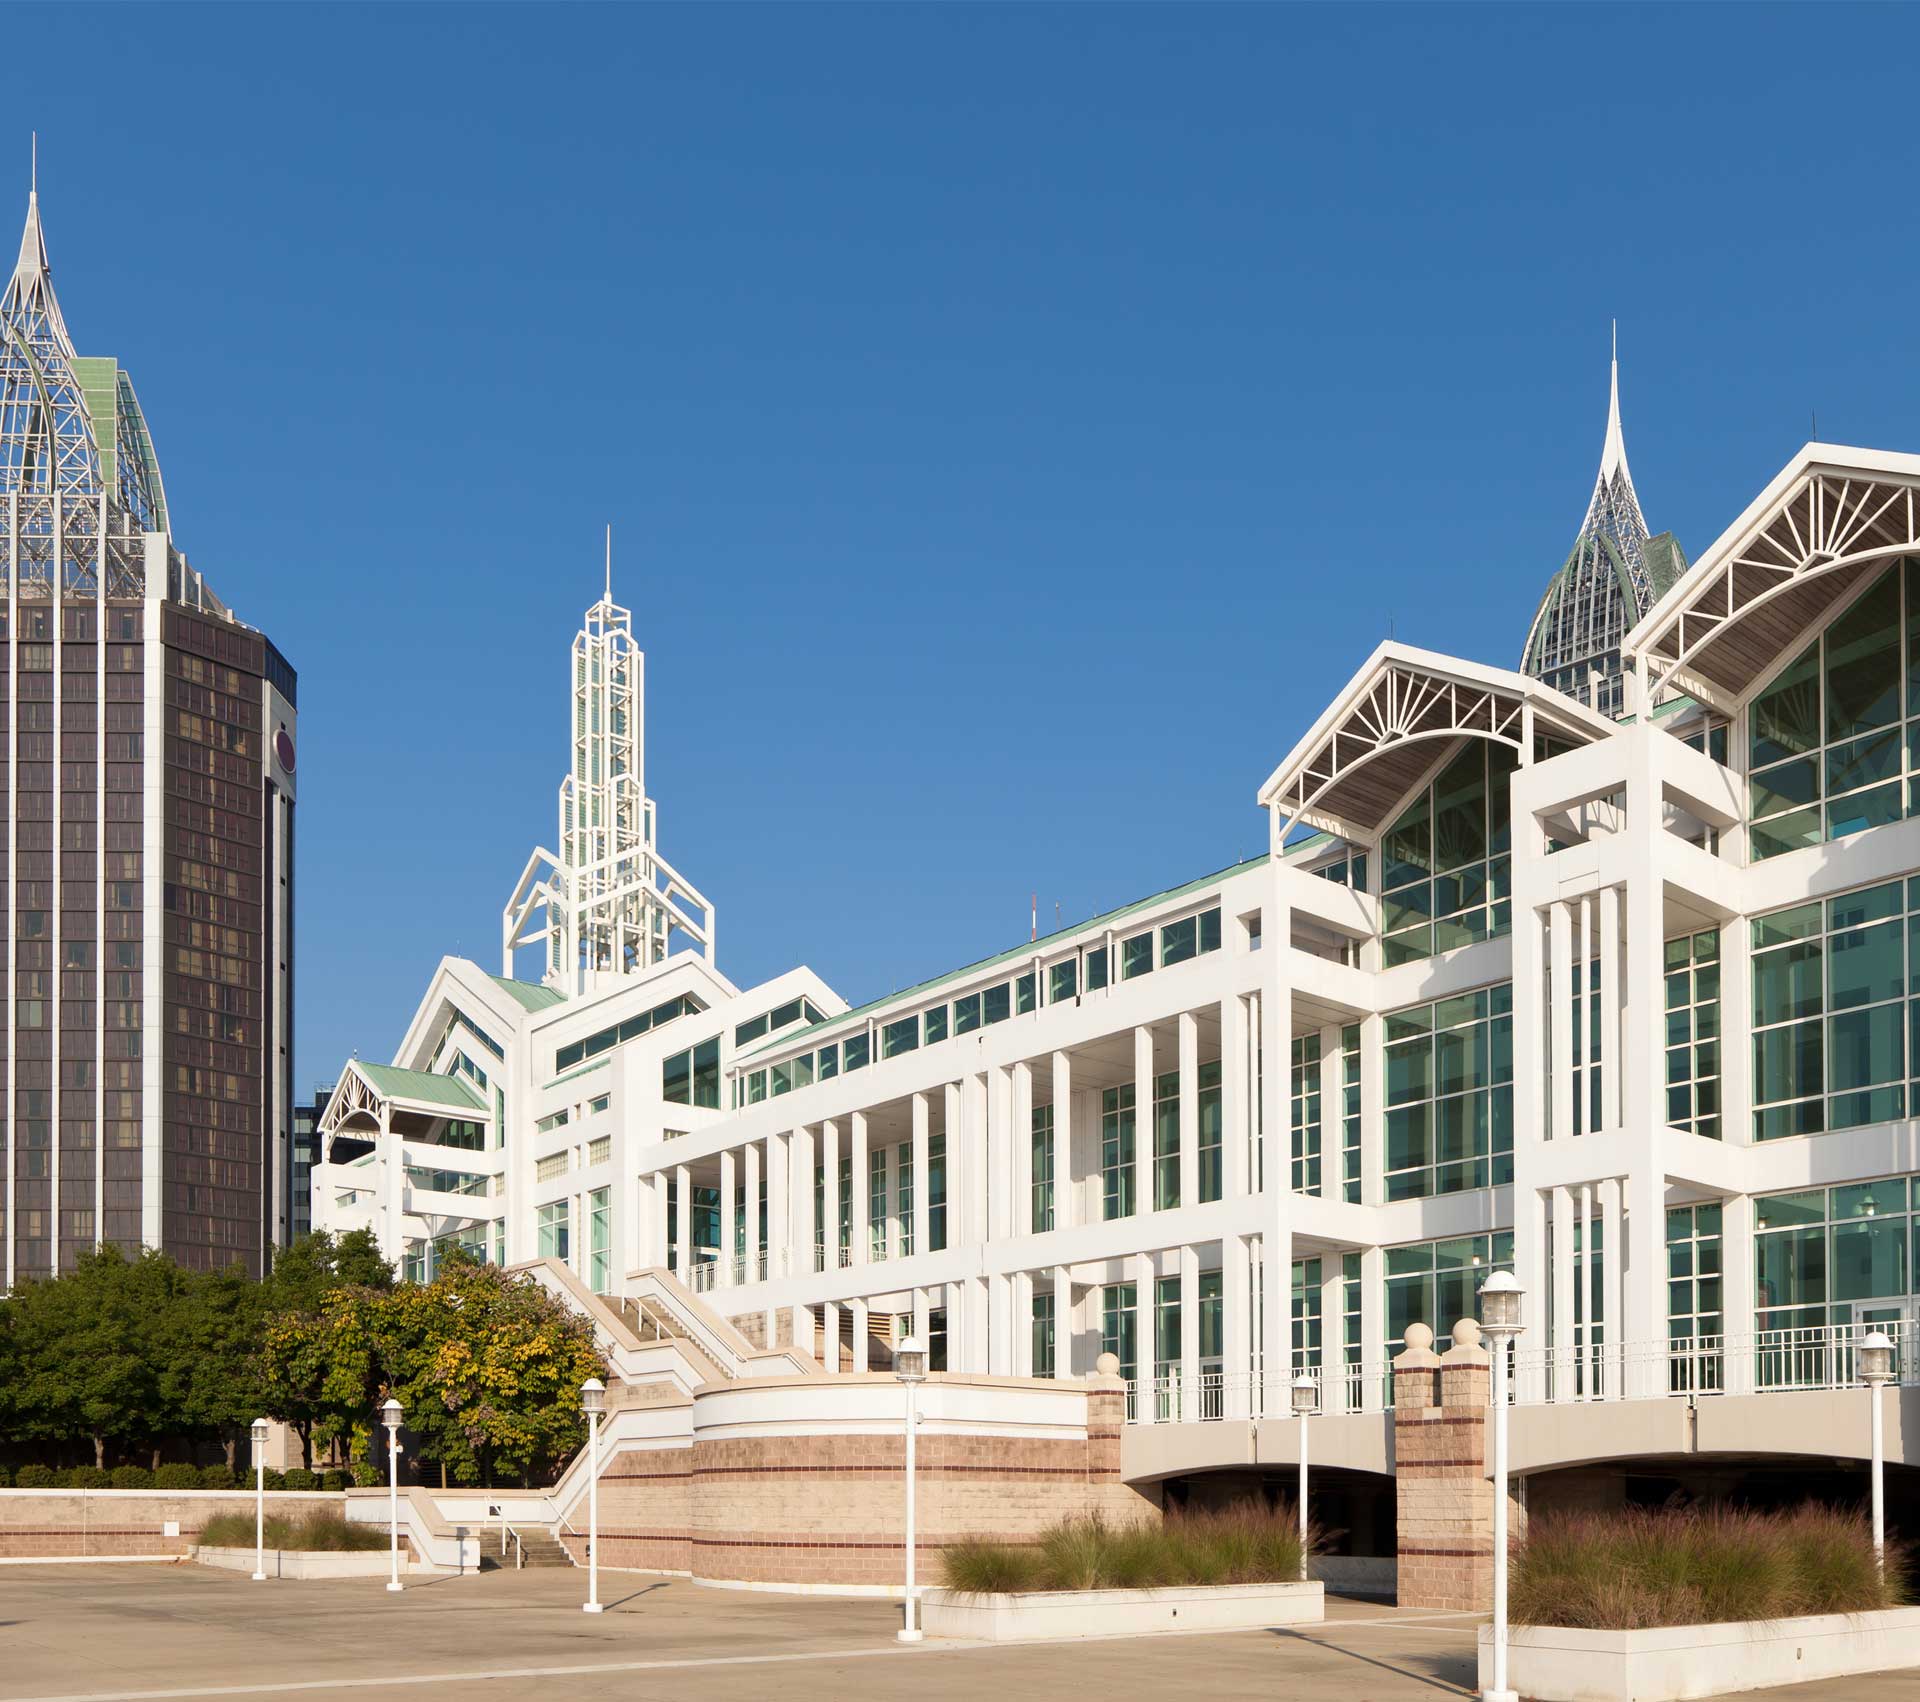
(31,289)
(1615,508)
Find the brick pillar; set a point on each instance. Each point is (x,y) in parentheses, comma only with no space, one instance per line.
(1440,1449)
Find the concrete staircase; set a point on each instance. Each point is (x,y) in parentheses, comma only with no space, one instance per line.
(538,1548)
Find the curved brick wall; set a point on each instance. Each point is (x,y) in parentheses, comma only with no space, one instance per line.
(798,1481)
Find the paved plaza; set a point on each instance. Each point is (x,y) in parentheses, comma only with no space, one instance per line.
(140,1633)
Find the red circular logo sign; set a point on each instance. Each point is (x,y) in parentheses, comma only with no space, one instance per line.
(283,749)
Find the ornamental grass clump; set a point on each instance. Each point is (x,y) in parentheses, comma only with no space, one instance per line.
(1639,1569)
(1244,1544)
(320,1532)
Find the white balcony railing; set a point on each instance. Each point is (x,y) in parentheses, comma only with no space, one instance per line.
(1767,1362)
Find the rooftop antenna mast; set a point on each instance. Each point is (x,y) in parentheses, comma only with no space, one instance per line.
(609,561)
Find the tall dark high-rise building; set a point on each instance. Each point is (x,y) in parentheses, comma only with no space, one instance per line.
(147,742)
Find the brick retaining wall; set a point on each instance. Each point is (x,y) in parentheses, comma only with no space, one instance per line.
(47,1524)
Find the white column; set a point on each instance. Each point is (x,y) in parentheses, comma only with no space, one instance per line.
(1738,1293)
(1644,1300)
(1022,1340)
(1333,1122)
(857,1155)
(1373,1327)
(1584,1278)
(1560,969)
(921,1309)
(1189,1255)
(800,1184)
(954,1127)
(862,1335)
(974,1161)
(830,1192)
(725,1275)
(830,1338)
(1611,1249)
(1236,1342)
(1234,1182)
(755,1270)
(1062,1321)
(1736,1049)
(921,1180)
(1146,1405)
(780,1205)
(999,1324)
(1064,1215)
(890,1188)
(1189,1046)
(1563,1290)
(1371,1117)
(1609,1023)
(1333,1302)
(803,1330)
(683,1198)
(1020,1151)
(1143,1119)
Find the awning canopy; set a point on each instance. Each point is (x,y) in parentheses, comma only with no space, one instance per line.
(1831,519)
(1391,725)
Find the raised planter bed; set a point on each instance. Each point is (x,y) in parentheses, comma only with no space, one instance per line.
(1119,1613)
(304,1563)
(1676,1662)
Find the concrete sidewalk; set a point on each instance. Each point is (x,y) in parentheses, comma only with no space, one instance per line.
(153,1632)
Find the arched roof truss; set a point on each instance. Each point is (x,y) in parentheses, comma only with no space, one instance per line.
(1832,518)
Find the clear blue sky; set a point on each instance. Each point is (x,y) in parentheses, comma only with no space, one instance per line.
(1015,423)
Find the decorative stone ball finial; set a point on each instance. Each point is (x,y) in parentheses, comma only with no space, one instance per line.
(1108,1365)
(1419,1337)
(1466,1333)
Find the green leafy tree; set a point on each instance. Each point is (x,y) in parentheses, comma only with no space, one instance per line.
(82,1352)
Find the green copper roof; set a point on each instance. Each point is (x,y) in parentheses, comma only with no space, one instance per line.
(530,995)
(392,1082)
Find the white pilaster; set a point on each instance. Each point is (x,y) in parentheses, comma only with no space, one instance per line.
(1189,1255)
(921,1180)
(755,1270)
(1235,1346)
(862,1204)
(1189,1066)
(1062,1321)
(862,1336)
(729,1221)
(683,1228)
(1064,1201)
(1143,1119)
(830,1193)
(830,1338)
(1020,1170)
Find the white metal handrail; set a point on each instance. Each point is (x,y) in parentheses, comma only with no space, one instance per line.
(1780,1361)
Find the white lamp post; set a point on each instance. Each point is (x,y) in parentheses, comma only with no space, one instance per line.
(260,1432)
(390,1417)
(1500,1300)
(1306,1402)
(593,1402)
(1876,1371)
(910,1366)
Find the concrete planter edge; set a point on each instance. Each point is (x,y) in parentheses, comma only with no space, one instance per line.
(1063,1614)
(305,1563)
(1676,1663)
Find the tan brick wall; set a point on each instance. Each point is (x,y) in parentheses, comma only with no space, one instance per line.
(831,1509)
(54,1523)
(1441,1442)
(645,1512)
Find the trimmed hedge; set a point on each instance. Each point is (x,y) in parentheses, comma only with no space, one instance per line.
(300,1478)
(89,1477)
(132,1477)
(177,1476)
(216,1477)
